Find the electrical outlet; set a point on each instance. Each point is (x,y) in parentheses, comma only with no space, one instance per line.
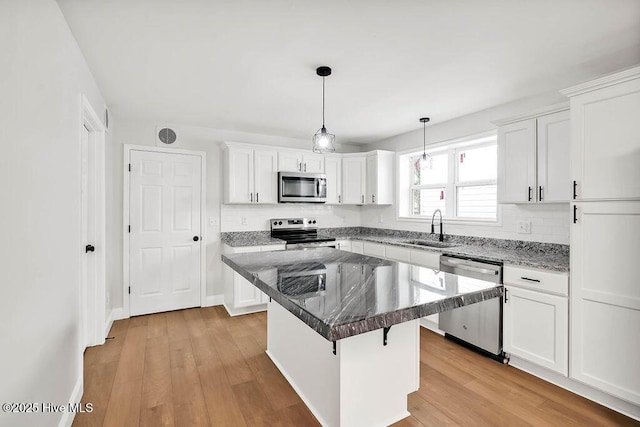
(244,220)
(524,227)
(213,221)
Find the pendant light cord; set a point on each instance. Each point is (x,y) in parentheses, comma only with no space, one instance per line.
(323,101)
(424,138)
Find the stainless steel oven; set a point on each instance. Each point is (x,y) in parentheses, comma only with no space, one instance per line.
(298,187)
(303,280)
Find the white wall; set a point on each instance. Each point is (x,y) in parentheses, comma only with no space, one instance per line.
(549,223)
(41,78)
(143,132)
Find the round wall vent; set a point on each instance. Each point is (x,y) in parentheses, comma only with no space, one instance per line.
(166,135)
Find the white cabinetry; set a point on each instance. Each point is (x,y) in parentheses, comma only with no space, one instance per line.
(373,249)
(333,170)
(605,297)
(605,153)
(380,178)
(343,245)
(241,296)
(297,161)
(354,178)
(250,175)
(605,242)
(356,246)
(536,317)
(533,159)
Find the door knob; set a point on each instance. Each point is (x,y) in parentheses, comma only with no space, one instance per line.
(196,238)
(89,248)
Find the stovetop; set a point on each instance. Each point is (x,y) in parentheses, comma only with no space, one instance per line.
(297,230)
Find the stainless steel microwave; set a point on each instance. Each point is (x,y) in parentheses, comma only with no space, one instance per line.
(297,187)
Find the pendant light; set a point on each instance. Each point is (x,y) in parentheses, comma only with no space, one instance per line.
(323,140)
(425,158)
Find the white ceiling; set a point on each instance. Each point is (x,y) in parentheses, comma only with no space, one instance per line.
(250,64)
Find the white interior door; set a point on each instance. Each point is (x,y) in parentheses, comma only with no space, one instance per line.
(88,265)
(165,238)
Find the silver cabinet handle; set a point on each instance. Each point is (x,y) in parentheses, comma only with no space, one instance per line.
(251,197)
(363,198)
(257,197)
(339,199)
(305,167)
(530,280)
(530,193)
(373,198)
(540,193)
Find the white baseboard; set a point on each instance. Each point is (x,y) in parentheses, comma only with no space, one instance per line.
(605,399)
(432,326)
(76,396)
(244,310)
(214,300)
(115,314)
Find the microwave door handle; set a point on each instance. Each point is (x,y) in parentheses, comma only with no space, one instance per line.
(318,187)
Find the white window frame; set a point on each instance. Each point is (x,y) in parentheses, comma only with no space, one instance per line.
(452,148)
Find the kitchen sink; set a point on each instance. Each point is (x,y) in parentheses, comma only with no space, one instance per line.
(429,243)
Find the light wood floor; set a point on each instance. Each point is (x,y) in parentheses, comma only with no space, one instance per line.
(201,367)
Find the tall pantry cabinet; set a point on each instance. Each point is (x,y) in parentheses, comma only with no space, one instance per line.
(605,234)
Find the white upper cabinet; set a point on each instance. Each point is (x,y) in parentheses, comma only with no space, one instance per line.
(533,159)
(238,168)
(605,148)
(251,176)
(313,163)
(297,161)
(554,173)
(265,176)
(289,161)
(354,178)
(517,162)
(333,170)
(379,186)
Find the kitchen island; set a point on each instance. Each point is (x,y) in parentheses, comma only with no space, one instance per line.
(343,328)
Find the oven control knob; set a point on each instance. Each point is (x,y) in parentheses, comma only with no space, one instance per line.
(279,222)
(275,222)
(314,221)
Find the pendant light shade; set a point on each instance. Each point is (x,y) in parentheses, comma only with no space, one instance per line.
(425,158)
(323,140)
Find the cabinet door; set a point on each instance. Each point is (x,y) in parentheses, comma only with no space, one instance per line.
(353,180)
(554,142)
(357,247)
(373,249)
(343,245)
(266,176)
(289,161)
(372,180)
(605,142)
(605,297)
(239,168)
(517,162)
(312,163)
(244,293)
(333,170)
(536,328)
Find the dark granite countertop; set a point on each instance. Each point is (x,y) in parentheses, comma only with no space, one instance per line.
(546,256)
(340,294)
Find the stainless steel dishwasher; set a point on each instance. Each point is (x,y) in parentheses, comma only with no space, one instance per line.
(478,325)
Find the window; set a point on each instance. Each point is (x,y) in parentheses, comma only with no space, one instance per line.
(459,179)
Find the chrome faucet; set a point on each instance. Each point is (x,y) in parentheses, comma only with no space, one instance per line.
(433,217)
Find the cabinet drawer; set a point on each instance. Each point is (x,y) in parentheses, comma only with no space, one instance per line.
(272,248)
(540,280)
(373,249)
(397,253)
(425,258)
(356,247)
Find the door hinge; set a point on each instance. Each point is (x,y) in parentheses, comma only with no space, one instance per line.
(129,167)
(129,290)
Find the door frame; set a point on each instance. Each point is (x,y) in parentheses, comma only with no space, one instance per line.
(93,307)
(128,148)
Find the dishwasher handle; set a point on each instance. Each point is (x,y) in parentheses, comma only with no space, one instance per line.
(462,266)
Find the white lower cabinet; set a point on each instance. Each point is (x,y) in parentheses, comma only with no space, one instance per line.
(536,317)
(343,245)
(373,249)
(241,296)
(357,247)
